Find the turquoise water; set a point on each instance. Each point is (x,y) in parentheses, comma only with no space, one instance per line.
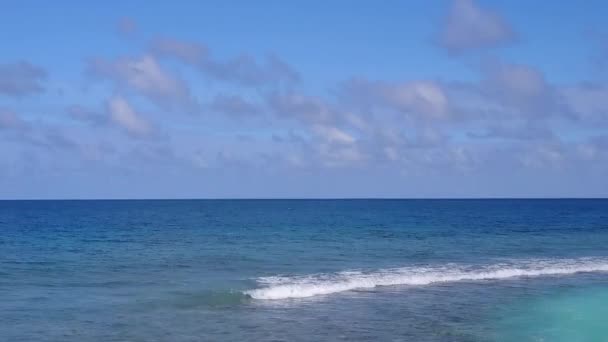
(571,315)
(304,270)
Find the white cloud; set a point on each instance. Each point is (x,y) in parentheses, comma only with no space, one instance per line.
(334,135)
(21,78)
(233,105)
(307,109)
(589,102)
(521,89)
(244,69)
(420,97)
(147,77)
(469,26)
(543,156)
(522,80)
(123,115)
(192,53)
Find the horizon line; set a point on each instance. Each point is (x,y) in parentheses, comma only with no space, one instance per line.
(299,198)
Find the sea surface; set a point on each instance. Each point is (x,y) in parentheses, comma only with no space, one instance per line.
(304,270)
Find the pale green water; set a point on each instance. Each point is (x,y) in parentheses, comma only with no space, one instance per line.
(573,315)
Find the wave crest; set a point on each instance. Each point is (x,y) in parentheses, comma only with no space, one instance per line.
(324,284)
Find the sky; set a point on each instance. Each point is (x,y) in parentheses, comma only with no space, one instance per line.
(303,99)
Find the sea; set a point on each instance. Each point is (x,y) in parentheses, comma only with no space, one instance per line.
(304,270)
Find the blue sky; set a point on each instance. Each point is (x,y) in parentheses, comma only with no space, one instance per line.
(196,99)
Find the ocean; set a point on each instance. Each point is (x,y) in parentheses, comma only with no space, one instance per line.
(304,270)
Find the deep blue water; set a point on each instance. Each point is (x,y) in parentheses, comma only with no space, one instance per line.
(304,270)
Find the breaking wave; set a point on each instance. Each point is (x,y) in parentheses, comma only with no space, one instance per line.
(323,284)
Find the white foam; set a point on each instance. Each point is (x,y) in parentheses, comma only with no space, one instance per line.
(323,284)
